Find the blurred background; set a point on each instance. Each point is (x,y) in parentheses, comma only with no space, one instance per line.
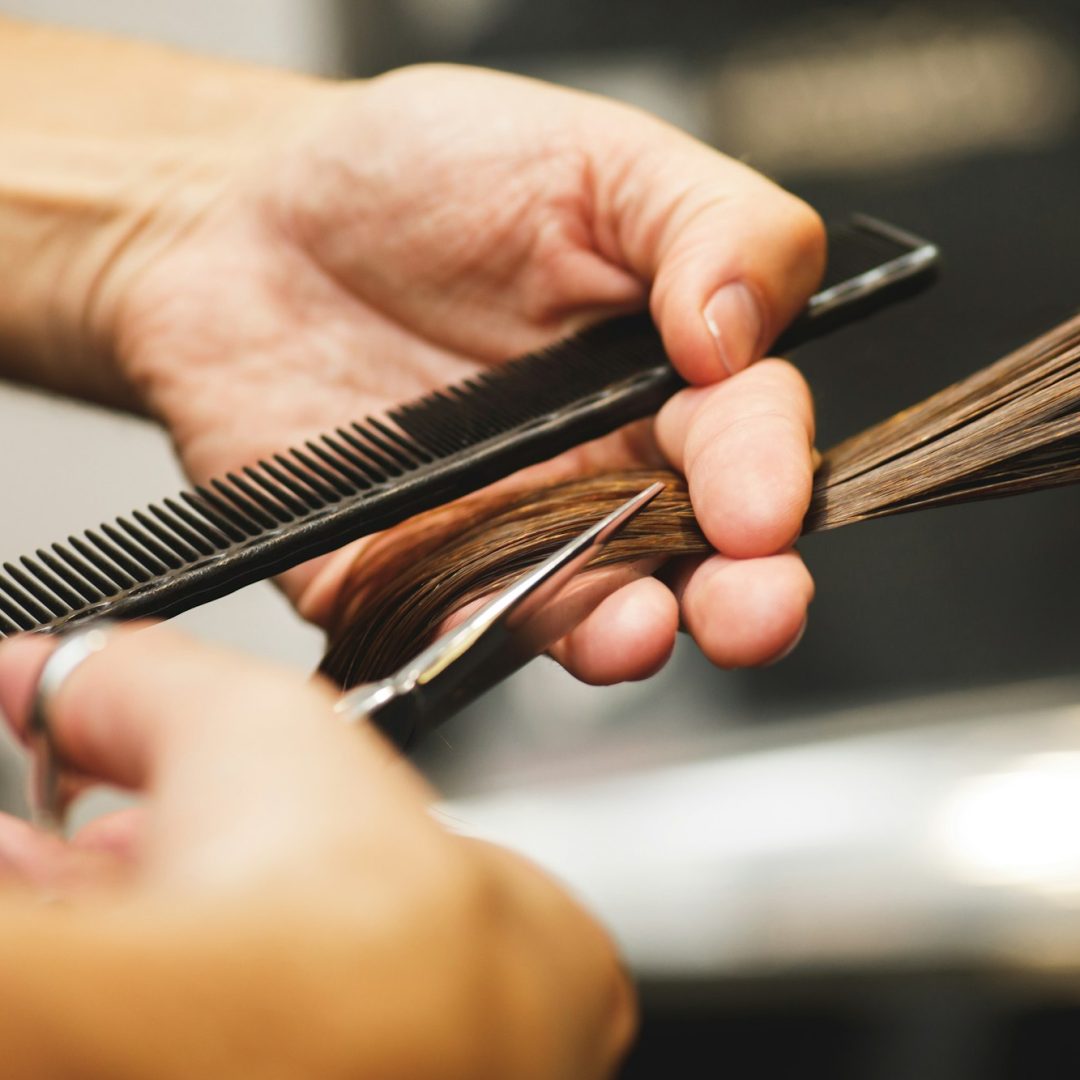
(863,862)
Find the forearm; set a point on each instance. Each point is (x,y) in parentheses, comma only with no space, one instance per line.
(108,149)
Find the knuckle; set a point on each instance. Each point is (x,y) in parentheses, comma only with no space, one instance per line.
(778,372)
(772,384)
(788,393)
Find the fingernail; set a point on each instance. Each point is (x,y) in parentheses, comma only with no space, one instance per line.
(791,648)
(734,321)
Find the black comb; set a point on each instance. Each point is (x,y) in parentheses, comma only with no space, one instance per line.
(270,516)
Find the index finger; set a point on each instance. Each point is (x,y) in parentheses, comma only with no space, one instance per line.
(155,704)
(731,256)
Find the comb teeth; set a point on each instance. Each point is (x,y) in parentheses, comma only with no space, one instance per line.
(275,513)
(488,404)
(23,605)
(82,590)
(293,506)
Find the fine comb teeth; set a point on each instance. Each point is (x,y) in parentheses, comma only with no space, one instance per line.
(274,514)
(269,516)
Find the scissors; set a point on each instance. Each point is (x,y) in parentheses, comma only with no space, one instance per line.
(517,624)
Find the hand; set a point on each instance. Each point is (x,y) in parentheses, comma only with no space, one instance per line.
(392,236)
(288,864)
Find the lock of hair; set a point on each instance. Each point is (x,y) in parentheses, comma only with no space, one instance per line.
(1010,428)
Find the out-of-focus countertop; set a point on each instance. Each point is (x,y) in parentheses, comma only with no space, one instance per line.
(934,835)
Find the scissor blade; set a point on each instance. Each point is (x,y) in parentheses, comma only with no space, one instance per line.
(520,622)
(533,590)
(509,619)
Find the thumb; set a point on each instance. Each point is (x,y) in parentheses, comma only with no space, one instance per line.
(732,257)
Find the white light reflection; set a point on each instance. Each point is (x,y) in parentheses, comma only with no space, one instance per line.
(1020,827)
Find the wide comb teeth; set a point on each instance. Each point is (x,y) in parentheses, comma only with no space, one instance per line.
(266,517)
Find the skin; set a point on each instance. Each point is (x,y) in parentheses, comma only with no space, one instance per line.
(472,243)
(253,257)
(303,916)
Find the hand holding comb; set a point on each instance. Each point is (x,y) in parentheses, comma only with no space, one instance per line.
(301,503)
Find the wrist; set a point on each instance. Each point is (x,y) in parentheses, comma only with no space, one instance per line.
(93,191)
(82,217)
